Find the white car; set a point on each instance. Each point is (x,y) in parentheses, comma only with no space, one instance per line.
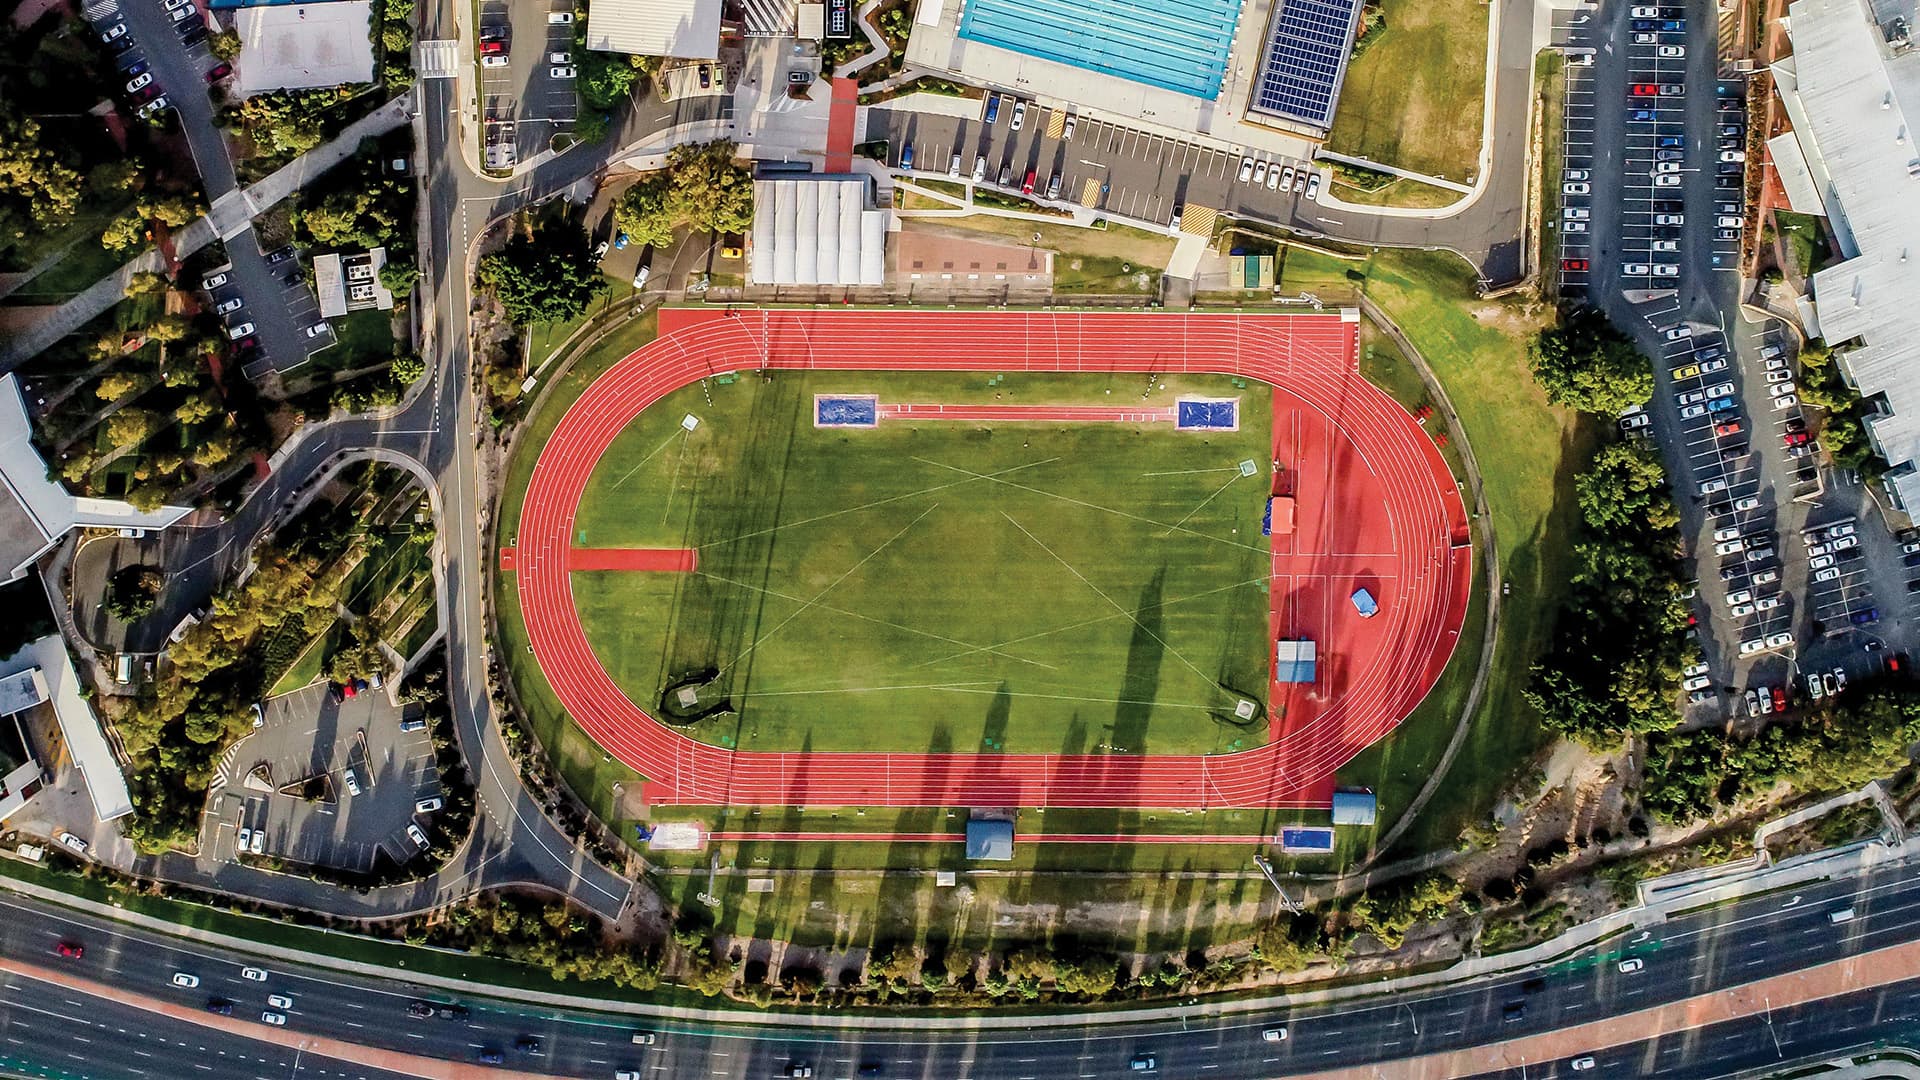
(559,58)
(1689,397)
(1666,180)
(1779,376)
(238,332)
(1575,213)
(1246,169)
(1766,603)
(1666,270)
(1066,133)
(1274,1034)
(1779,641)
(1730,547)
(560,18)
(318,329)
(1719,390)
(1814,551)
(1572,226)
(279,1001)
(1644,12)
(1739,611)
(640,278)
(1750,502)
(1728,533)
(1666,245)
(254,974)
(1766,577)
(1577,174)
(1666,167)
(1259,173)
(1286,179)
(415,834)
(1582,1063)
(181,978)
(242,840)
(1669,219)
(1733,155)
(428,805)
(494,61)
(1636,270)
(1692,412)
(1820,562)
(1729,221)
(1675,333)
(259,844)
(1785,401)
(213,281)
(274,1019)
(1273,178)
(139,81)
(1752,645)
(1576,188)
(229,307)
(1019,114)
(560,72)
(1697,682)
(1780,389)
(1673,52)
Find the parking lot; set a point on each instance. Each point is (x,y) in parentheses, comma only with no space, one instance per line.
(287,297)
(1105,166)
(527,76)
(315,750)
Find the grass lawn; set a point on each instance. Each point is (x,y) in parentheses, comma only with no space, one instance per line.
(361,339)
(1527,455)
(543,339)
(1137,246)
(1414,98)
(307,668)
(1550,108)
(959,614)
(1103,274)
(1401,192)
(1804,240)
(1325,276)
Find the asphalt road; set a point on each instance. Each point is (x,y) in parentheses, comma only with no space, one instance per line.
(1688,955)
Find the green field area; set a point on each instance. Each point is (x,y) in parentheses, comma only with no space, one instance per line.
(1414,98)
(939,585)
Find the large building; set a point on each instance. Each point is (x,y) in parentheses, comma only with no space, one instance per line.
(302,46)
(817,230)
(684,29)
(1847,89)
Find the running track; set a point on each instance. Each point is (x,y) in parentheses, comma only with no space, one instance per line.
(1421,576)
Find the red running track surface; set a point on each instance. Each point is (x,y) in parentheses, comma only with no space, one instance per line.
(1377,506)
(680,560)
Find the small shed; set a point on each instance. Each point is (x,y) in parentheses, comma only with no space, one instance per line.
(990,841)
(1365,604)
(1354,806)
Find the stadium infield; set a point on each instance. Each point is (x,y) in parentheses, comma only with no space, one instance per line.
(1377,509)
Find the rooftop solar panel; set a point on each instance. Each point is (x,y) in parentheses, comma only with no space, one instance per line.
(1306,58)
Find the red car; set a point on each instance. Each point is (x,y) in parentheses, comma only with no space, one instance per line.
(70,950)
(219,71)
(1573,264)
(1731,427)
(492,47)
(1646,89)
(1027,188)
(1779,699)
(1798,438)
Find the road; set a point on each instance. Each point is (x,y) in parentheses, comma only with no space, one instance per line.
(1686,956)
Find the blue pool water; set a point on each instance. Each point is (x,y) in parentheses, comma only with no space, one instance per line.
(1179,45)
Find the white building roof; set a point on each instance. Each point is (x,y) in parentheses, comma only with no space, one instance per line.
(688,29)
(302,46)
(1803,192)
(36,512)
(817,230)
(86,740)
(1848,94)
(21,691)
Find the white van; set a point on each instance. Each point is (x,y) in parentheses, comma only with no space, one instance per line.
(1843,915)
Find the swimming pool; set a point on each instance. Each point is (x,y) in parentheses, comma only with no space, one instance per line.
(1179,45)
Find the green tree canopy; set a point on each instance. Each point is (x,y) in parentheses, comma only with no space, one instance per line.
(1585,364)
(547,277)
(38,191)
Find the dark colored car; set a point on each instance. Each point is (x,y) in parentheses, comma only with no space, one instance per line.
(220,1006)
(490,1056)
(1865,616)
(279,255)
(452,1012)
(1513,1010)
(1641,24)
(219,71)
(1672,141)
(527,1044)
(419,1010)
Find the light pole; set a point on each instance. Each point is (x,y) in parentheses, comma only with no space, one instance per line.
(1412,1018)
(1781,1054)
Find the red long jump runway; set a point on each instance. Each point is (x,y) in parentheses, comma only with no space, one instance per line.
(1377,506)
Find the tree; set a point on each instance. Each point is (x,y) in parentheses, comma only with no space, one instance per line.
(116,176)
(168,328)
(605,79)
(407,368)
(643,213)
(129,426)
(550,276)
(1626,489)
(125,233)
(172,211)
(396,37)
(711,190)
(1584,363)
(115,385)
(224,45)
(38,191)
(195,409)
(399,277)
(145,283)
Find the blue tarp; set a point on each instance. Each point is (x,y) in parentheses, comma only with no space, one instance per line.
(1353,807)
(1306,838)
(846,411)
(1364,603)
(991,841)
(1208,414)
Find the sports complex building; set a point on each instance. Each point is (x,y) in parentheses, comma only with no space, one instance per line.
(1208,66)
(1000,559)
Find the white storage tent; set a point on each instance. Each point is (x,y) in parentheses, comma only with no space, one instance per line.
(817,230)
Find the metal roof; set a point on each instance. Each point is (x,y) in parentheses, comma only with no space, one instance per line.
(1849,92)
(688,29)
(817,230)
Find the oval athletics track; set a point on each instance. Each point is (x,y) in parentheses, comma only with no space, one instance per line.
(1312,357)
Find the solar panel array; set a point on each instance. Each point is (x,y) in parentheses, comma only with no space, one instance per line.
(1306,57)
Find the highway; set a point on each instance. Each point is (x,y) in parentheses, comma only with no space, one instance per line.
(1689,955)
